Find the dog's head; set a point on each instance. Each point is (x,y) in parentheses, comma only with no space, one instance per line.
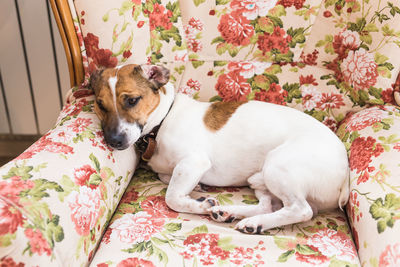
(125,97)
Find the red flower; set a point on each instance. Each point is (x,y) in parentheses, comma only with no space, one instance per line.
(80,124)
(160,17)
(10,219)
(37,242)
(135,262)
(327,14)
(127,54)
(288,3)
(361,151)
(9,262)
(235,29)
(232,87)
(156,206)
(273,95)
(388,97)
(205,247)
(276,40)
(91,43)
(104,58)
(314,259)
(311,58)
(130,196)
(82,175)
(140,24)
(309,79)
(330,101)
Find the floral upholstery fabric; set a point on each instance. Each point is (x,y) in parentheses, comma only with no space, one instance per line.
(333,59)
(373,141)
(57,197)
(146,232)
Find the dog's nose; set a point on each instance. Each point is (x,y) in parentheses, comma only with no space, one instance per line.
(117,141)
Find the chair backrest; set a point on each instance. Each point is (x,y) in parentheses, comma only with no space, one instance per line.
(323,57)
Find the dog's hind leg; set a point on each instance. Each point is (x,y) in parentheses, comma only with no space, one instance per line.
(232,212)
(284,179)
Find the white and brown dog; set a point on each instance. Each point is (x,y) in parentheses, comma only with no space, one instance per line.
(277,151)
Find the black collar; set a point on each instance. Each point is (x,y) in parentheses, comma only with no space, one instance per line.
(146,145)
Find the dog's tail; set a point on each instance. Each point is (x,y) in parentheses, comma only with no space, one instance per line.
(344,191)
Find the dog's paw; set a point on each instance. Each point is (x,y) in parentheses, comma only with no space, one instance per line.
(208,202)
(250,226)
(218,214)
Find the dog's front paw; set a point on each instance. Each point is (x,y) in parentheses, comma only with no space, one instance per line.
(207,202)
(219,214)
(250,226)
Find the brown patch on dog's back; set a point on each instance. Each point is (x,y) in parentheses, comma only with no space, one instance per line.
(218,114)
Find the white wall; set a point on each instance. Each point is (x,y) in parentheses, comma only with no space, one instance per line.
(34,72)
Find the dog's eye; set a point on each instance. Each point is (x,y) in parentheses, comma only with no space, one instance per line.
(132,101)
(101,106)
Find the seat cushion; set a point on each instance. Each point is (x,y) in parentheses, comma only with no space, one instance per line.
(145,231)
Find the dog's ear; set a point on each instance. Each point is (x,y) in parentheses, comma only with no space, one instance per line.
(156,75)
(95,77)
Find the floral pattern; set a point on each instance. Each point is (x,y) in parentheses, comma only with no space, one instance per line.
(331,59)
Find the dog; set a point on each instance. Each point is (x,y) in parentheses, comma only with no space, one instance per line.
(280,152)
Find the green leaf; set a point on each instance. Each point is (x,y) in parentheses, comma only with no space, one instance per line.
(222,2)
(297,36)
(386,211)
(95,179)
(220,63)
(384,72)
(371,27)
(283,242)
(286,255)
(218,39)
(375,92)
(225,243)
(173,227)
(197,63)
(379,58)
(198,2)
(5,240)
(277,21)
(215,98)
(23,172)
(225,199)
(198,230)
(305,250)
(250,199)
(95,161)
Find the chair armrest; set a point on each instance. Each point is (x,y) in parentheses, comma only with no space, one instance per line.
(57,197)
(373,142)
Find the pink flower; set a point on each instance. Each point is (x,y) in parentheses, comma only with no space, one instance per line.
(85,209)
(390,256)
(191,87)
(10,219)
(365,118)
(136,228)
(251,9)
(232,87)
(82,175)
(80,124)
(314,259)
(248,68)
(311,97)
(12,187)
(135,262)
(189,32)
(350,40)
(333,243)
(195,24)
(194,45)
(181,55)
(37,242)
(330,101)
(235,29)
(156,206)
(241,256)
(359,69)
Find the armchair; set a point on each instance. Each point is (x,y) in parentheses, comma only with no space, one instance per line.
(70,200)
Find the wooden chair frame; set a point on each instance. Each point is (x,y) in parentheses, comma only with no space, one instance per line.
(66,27)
